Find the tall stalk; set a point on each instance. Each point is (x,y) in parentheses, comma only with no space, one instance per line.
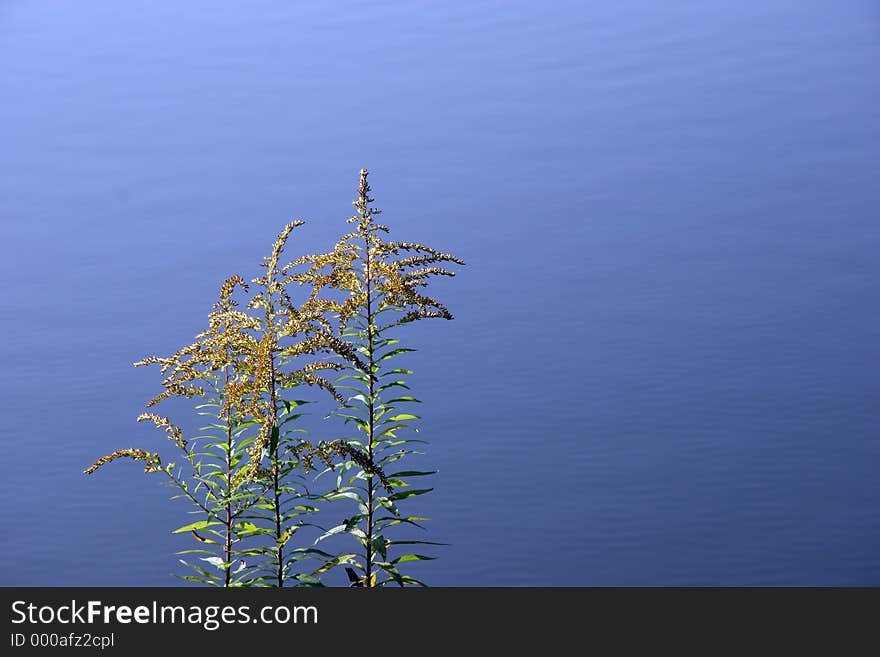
(227,548)
(382,294)
(371,382)
(210,481)
(288,333)
(271,419)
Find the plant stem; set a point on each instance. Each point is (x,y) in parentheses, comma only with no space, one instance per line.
(276,474)
(273,418)
(368,580)
(227,549)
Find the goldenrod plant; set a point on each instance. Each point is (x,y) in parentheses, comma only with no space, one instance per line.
(245,472)
(248,474)
(213,479)
(286,334)
(382,281)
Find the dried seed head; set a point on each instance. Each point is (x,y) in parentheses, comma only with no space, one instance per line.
(153,464)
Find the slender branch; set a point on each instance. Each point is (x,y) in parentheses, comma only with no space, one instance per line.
(279,549)
(177,482)
(368,579)
(272,419)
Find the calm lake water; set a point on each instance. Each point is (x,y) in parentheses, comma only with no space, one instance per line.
(664,364)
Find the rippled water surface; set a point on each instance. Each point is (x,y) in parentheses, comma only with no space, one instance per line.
(664,363)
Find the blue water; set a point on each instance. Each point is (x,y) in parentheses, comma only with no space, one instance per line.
(664,363)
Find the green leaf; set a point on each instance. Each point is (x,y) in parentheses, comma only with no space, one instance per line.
(360,422)
(397,371)
(411,557)
(337,561)
(390,521)
(248,529)
(305,508)
(217,562)
(379,544)
(196,525)
(403,416)
(307,580)
(353,522)
(199,570)
(338,529)
(400,384)
(402,495)
(273,439)
(282,540)
(394,352)
(388,504)
(352,495)
(290,404)
(291,418)
(305,553)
